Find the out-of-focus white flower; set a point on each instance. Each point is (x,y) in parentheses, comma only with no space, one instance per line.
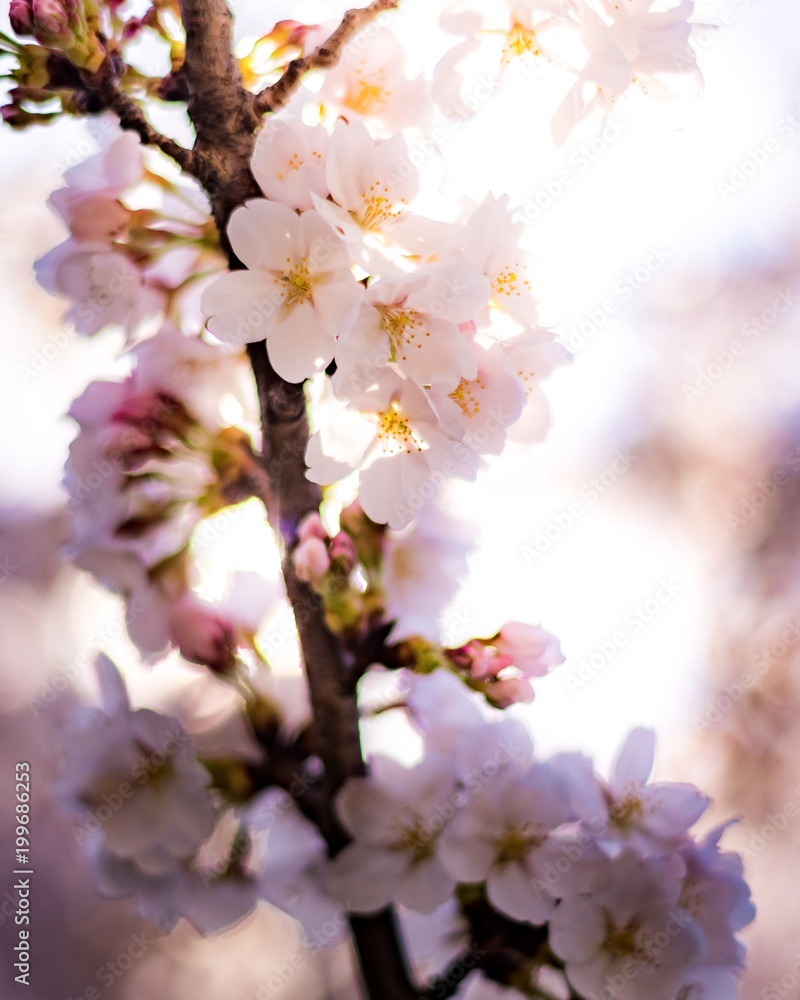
(90,203)
(370,82)
(718,898)
(106,287)
(298,294)
(627,44)
(289,162)
(497,38)
(627,810)
(421,570)
(292,861)
(136,777)
(533,355)
(395,817)
(502,836)
(628,937)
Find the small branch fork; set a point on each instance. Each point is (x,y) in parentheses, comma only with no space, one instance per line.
(323,57)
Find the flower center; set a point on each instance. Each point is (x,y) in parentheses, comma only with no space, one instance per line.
(403,327)
(395,433)
(417,839)
(506,283)
(626,810)
(520,41)
(516,843)
(622,942)
(376,207)
(369,95)
(467,396)
(297,285)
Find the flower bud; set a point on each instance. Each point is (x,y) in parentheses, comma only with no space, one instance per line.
(311,527)
(311,560)
(202,635)
(20,14)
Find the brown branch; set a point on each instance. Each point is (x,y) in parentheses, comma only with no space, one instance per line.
(323,57)
(131,117)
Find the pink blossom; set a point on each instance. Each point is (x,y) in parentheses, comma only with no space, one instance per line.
(395,817)
(298,293)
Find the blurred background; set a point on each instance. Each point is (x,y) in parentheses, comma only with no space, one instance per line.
(656,532)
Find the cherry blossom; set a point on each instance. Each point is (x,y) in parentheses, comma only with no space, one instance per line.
(90,204)
(292,861)
(629,937)
(391,434)
(289,162)
(370,82)
(629,810)
(502,836)
(372,183)
(412,321)
(492,245)
(627,44)
(136,776)
(298,294)
(107,288)
(479,410)
(421,569)
(497,39)
(396,816)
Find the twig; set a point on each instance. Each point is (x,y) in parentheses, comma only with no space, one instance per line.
(131,117)
(323,57)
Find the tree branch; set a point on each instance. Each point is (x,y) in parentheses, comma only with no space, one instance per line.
(131,117)
(323,57)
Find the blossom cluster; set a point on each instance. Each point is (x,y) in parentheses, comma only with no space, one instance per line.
(430,327)
(124,267)
(153,458)
(632,904)
(595,49)
(605,871)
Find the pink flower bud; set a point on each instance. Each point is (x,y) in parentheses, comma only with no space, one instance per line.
(343,549)
(311,527)
(530,648)
(51,16)
(202,635)
(311,559)
(510,691)
(20,14)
